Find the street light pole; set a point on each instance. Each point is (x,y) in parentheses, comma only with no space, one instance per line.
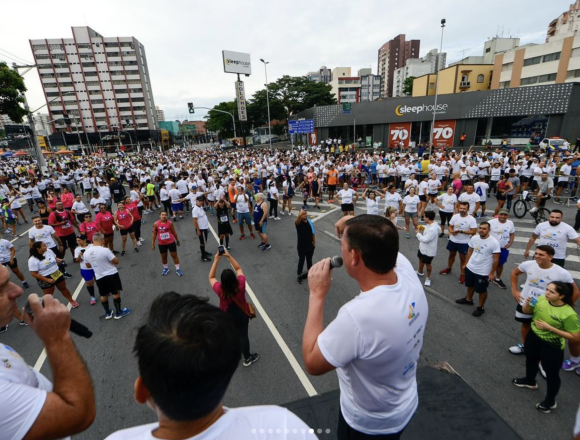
(222,111)
(268,100)
(437,67)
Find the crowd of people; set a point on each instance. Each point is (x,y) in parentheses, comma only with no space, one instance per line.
(83,204)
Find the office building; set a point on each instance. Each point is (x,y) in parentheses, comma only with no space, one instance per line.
(416,67)
(455,79)
(323,75)
(346,88)
(102,83)
(370,85)
(392,55)
(160,114)
(566,25)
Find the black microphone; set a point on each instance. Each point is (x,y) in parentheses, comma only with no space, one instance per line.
(335,261)
(76,327)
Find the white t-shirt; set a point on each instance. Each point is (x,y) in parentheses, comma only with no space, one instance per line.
(198,213)
(462,224)
(44,267)
(472,199)
(43,234)
(22,394)
(246,423)
(565,171)
(100,258)
(555,236)
(428,239)
(374,342)
(448,202)
(433,186)
(501,231)
(373,205)
(537,279)
(5,253)
(346,196)
(78,251)
(392,200)
(481,190)
(481,260)
(175,196)
(411,203)
(79,207)
(242,205)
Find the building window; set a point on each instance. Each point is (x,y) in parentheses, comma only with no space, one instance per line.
(551,57)
(529,81)
(575,52)
(480,78)
(55,46)
(507,66)
(532,61)
(431,85)
(488,50)
(547,78)
(504,85)
(84,45)
(42,57)
(39,47)
(573,74)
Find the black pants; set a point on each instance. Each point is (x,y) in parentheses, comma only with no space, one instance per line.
(509,198)
(305,254)
(577,221)
(345,432)
(241,322)
(167,207)
(551,357)
(137,229)
(274,207)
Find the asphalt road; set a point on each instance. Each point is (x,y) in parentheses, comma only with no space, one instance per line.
(477,348)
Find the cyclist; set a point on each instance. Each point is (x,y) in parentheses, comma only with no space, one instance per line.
(544,192)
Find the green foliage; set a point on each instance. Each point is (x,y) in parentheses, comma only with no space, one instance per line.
(11,87)
(408,86)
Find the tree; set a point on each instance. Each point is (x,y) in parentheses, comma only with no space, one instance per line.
(408,85)
(297,93)
(11,89)
(222,122)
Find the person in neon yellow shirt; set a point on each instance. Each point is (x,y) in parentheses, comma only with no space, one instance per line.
(150,192)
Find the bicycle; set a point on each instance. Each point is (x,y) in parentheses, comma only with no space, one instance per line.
(523,205)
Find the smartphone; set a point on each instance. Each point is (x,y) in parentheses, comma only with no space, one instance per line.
(221,250)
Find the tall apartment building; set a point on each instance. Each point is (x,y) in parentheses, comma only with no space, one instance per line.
(416,67)
(566,25)
(323,75)
(491,48)
(392,55)
(370,85)
(160,114)
(102,83)
(345,87)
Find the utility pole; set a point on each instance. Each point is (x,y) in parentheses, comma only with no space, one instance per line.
(39,155)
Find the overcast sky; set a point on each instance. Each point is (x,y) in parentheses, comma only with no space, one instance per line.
(184,39)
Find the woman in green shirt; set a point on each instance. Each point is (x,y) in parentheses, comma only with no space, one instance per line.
(554,320)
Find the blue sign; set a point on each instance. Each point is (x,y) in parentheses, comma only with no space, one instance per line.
(300,127)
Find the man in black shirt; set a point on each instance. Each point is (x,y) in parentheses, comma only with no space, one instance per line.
(306,241)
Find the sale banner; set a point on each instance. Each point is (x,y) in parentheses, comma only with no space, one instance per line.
(399,132)
(443,134)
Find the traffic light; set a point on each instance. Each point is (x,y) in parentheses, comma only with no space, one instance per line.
(67,120)
(191,109)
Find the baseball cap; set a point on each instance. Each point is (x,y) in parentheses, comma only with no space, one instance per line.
(504,211)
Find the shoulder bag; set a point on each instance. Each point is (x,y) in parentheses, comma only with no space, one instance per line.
(250,312)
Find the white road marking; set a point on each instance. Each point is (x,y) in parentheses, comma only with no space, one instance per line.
(330,234)
(40,361)
(20,235)
(526,239)
(283,346)
(569,257)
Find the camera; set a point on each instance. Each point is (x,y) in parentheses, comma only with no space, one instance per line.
(221,250)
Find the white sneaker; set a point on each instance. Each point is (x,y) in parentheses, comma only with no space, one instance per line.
(277,218)
(517,349)
(283,213)
(271,216)
(428,282)
(290,213)
(534,209)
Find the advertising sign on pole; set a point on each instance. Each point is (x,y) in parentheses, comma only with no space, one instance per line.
(237,62)
(241,97)
(346,107)
(399,132)
(443,134)
(301,126)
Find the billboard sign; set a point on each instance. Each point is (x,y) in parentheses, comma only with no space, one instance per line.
(237,62)
(399,132)
(241,98)
(301,126)
(443,133)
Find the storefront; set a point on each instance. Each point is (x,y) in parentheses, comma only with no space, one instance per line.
(517,114)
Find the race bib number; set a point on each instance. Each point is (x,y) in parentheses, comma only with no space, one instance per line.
(56,275)
(164,236)
(224,218)
(66,225)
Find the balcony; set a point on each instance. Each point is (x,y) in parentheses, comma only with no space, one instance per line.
(465,84)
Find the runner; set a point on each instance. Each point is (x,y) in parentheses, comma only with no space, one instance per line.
(462,227)
(446,203)
(165,232)
(201,224)
(63,222)
(242,202)
(43,265)
(89,227)
(427,236)
(105,223)
(124,221)
(224,228)
(79,209)
(261,221)
(133,208)
(8,259)
(503,231)
(87,274)
(47,234)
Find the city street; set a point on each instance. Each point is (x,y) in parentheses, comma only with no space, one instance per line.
(477,348)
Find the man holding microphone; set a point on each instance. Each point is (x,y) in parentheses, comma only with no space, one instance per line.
(367,342)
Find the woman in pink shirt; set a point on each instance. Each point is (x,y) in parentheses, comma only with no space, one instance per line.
(89,227)
(67,198)
(105,223)
(232,293)
(457,184)
(124,221)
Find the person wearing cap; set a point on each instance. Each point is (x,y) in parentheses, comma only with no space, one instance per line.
(503,231)
(201,224)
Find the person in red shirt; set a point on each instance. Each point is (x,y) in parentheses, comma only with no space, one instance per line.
(89,227)
(164,231)
(134,210)
(63,221)
(67,198)
(124,221)
(105,222)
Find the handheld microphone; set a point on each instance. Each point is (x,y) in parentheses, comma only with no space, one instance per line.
(76,327)
(335,261)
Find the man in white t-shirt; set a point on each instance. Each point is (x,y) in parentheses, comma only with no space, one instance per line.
(29,407)
(540,272)
(201,224)
(470,197)
(503,230)
(104,264)
(187,352)
(480,266)
(554,233)
(368,341)
(462,227)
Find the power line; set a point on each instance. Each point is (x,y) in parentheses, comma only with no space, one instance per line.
(15,57)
